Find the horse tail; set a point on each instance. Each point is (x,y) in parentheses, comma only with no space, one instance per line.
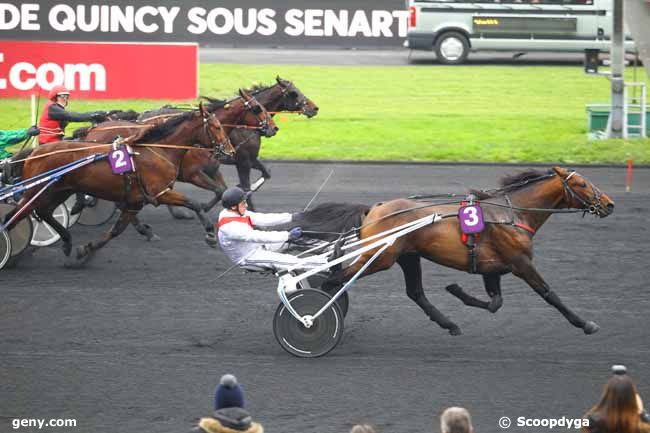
(12,170)
(328,220)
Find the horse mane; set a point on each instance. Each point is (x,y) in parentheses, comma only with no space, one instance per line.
(164,129)
(214,103)
(513,180)
(257,88)
(332,218)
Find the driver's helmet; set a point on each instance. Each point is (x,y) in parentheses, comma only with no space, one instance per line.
(58,91)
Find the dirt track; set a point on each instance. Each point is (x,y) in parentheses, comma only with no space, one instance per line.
(137,341)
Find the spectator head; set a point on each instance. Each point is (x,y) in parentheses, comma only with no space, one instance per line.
(456,420)
(619,404)
(362,428)
(228,393)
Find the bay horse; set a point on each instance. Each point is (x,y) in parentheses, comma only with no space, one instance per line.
(243,111)
(197,168)
(204,172)
(513,214)
(156,165)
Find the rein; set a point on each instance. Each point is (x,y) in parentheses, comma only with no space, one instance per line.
(170,146)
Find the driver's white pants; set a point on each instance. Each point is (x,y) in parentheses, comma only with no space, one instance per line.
(271,259)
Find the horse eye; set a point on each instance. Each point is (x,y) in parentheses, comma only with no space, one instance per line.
(293,94)
(256,109)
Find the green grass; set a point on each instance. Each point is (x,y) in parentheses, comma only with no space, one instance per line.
(420,113)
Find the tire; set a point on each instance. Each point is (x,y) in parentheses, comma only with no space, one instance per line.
(5,248)
(20,235)
(452,48)
(317,340)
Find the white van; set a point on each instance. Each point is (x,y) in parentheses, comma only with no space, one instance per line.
(453,28)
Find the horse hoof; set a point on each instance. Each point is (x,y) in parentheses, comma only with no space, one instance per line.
(181,214)
(590,328)
(153,238)
(82,256)
(211,240)
(455,331)
(495,304)
(454,289)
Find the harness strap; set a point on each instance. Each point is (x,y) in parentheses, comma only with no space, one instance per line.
(529,229)
(242,219)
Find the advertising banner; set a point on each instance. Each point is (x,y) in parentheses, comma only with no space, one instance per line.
(220,23)
(99,70)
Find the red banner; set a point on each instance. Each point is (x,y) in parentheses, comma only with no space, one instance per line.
(99,70)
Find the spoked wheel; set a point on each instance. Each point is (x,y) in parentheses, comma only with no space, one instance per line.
(308,342)
(44,235)
(20,235)
(96,212)
(5,248)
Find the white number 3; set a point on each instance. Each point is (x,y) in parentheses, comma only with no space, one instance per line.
(472,216)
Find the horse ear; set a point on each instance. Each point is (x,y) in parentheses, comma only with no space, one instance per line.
(201,109)
(278,79)
(243,94)
(560,171)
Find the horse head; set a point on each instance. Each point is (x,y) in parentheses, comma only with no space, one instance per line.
(580,193)
(214,134)
(259,115)
(295,100)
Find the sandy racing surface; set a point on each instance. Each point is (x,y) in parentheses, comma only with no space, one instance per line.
(137,341)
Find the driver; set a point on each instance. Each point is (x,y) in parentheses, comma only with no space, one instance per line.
(54,118)
(245,245)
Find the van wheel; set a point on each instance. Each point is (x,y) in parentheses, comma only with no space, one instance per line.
(452,48)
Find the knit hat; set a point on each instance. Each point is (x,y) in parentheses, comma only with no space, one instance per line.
(229,393)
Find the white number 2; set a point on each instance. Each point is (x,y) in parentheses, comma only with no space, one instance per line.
(472,214)
(120,160)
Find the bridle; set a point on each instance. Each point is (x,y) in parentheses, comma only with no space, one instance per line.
(256,109)
(217,146)
(290,96)
(592,207)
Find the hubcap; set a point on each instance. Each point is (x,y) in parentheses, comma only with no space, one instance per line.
(452,48)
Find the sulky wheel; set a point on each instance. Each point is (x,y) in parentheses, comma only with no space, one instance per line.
(5,248)
(317,340)
(96,212)
(20,235)
(45,235)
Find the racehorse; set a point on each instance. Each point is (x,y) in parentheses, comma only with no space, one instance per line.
(513,214)
(204,172)
(156,165)
(198,168)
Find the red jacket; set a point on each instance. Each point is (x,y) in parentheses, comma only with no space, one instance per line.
(51,130)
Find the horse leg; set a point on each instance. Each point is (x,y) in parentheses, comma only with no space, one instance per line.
(86,252)
(46,216)
(215,183)
(492,287)
(175,198)
(523,268)
(144,229)
(257,165)
(412,268)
